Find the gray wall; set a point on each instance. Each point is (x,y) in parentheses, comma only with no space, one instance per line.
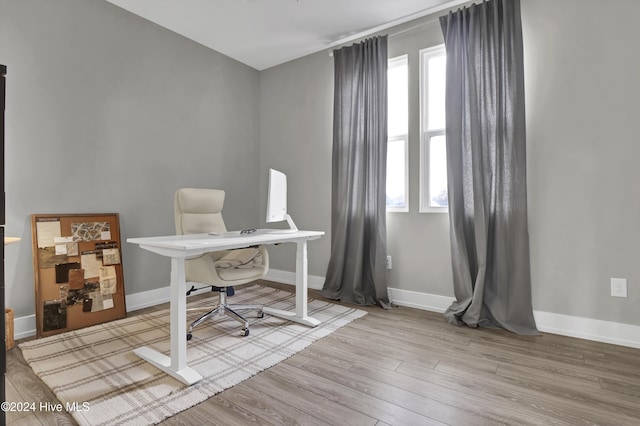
(584,212)
(107,112)
(582,76)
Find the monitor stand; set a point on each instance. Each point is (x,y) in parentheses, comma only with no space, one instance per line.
(292,227)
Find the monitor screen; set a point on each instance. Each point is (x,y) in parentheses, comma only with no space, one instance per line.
(277,200)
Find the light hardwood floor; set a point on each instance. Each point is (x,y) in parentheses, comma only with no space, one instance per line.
(409,367)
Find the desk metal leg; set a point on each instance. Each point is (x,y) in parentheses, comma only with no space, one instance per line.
(300,315)
(176,365)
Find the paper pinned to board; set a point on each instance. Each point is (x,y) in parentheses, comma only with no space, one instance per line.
(47,232)
(65,245)
(108,280)
(91,265)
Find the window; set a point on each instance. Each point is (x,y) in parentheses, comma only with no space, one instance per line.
(398,134)
(433,145)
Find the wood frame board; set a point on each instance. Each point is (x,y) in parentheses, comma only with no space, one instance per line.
(77,267)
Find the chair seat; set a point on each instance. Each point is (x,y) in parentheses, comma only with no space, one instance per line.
(233,274)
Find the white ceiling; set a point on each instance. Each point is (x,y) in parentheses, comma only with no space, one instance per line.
(264,33)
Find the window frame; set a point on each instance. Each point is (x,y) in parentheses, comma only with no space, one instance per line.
(425,133)
(404,58)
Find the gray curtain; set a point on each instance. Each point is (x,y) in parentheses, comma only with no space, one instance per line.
(357,267)
(486,160)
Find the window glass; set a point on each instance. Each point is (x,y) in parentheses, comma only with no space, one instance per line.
(396,174)
(398,97)
(433,146)
(438,172)
(436,92)
(398,130)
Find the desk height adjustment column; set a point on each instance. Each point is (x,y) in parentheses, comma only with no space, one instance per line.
(300,315)
(176,365)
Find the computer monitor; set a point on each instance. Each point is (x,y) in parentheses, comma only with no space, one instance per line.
(277,201)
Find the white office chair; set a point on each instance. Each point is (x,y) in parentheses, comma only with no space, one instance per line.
(198,211)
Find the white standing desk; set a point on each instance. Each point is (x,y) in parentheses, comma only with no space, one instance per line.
(181,247)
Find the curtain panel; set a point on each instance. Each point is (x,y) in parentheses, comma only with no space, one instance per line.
(357,267)
(486,161)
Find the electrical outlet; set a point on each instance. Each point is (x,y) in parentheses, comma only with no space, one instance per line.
(619,287)
(389,262)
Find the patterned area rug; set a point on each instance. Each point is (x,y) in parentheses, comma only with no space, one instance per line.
(96,376)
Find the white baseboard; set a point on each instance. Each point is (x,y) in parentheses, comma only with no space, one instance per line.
(547,322)
(24,327)
(285,277)
(415,299)
(589,329)
(145,299)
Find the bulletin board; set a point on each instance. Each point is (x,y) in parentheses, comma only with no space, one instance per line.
(77,266)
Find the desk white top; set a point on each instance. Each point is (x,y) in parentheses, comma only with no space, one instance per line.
(194,244)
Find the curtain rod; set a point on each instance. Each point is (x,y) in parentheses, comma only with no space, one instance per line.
(404,30)
(448,5)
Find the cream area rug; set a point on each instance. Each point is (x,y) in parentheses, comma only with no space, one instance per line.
(97,377)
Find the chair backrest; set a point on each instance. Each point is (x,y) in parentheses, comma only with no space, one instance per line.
(198,211)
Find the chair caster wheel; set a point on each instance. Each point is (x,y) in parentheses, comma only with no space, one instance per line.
(260,314)
(189,336)
(244,332)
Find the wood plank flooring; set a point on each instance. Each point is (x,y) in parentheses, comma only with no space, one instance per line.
(409,367)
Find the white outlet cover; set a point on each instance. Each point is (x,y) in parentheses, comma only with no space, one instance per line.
(619,287)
